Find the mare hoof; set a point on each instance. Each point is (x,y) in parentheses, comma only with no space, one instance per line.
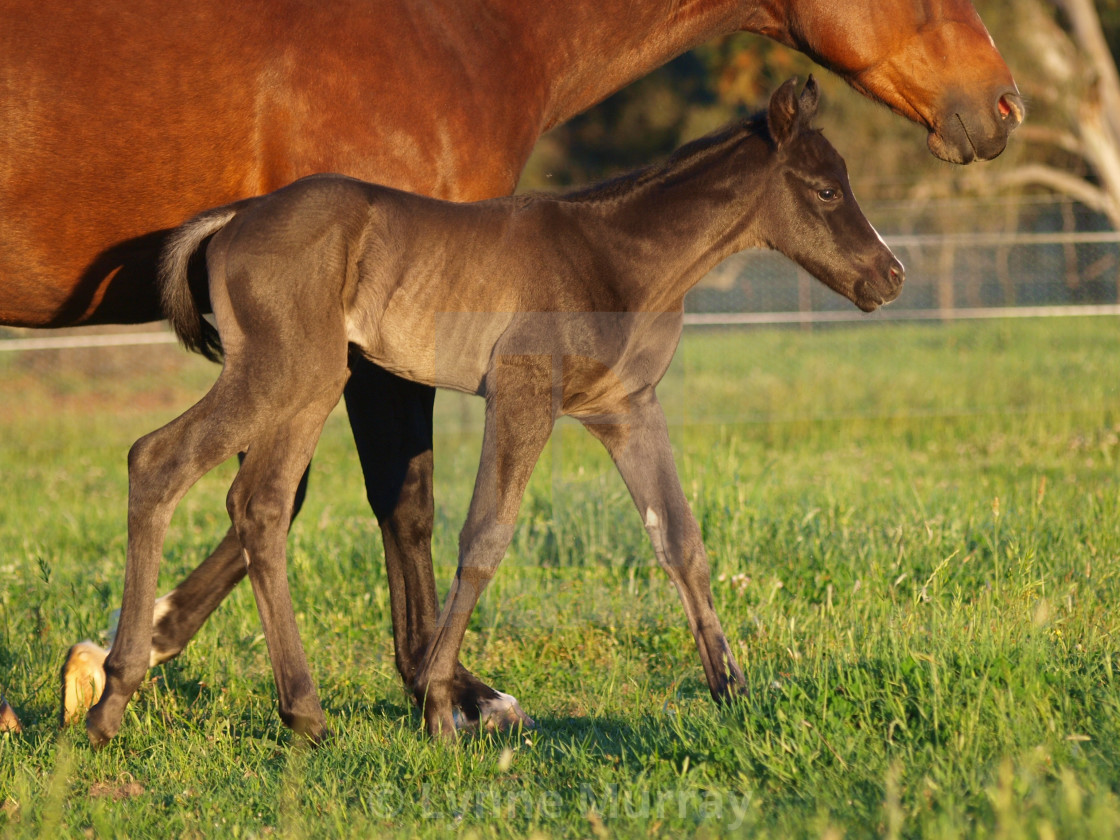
(83,680)
(8,720)
(495,714)
(306,720)
(321,737)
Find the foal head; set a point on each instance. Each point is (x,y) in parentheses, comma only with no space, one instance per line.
(812,216)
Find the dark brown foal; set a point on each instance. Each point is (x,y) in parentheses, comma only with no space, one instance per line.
(544,305)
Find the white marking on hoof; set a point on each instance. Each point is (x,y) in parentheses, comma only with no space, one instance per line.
(83,680)
(499,714)
(8,720)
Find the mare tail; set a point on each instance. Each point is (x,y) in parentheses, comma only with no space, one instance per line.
(178,301)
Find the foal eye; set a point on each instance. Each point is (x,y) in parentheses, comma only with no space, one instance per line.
(828,194)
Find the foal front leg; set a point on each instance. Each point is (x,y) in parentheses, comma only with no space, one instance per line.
(644,457)
(519,417)
(392,423)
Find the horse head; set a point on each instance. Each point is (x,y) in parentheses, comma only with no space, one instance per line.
(813,217)
(932,61)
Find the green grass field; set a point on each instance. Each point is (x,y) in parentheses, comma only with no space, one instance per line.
(915,540)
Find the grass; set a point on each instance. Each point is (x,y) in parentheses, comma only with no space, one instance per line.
(915,552)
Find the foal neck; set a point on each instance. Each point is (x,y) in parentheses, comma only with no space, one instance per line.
(669,224)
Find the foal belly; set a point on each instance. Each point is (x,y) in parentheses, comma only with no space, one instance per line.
(444,349)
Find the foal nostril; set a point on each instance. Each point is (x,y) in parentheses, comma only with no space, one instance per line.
(1011,110)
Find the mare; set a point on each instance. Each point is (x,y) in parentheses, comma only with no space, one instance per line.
(123,117)
(544,305)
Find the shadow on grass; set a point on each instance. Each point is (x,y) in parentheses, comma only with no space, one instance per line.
(611,735)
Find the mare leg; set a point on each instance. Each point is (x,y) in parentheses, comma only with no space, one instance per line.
(259,504)
(392,423)
(178,617)
(644,457)
(519,419)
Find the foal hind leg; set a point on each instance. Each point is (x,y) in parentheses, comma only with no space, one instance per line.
(644,458)
(182,611)
(392,423)
(259,504)
(162,466)
(178,617)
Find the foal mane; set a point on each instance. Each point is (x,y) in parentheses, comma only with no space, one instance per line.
(696,152)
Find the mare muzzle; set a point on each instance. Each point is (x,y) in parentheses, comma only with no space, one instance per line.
(966,132)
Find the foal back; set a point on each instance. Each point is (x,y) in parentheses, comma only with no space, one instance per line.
(422,287)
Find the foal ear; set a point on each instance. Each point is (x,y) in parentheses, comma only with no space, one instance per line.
(809,99)
(790,113)
(783,117)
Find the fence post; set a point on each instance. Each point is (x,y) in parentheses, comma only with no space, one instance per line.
(946,299)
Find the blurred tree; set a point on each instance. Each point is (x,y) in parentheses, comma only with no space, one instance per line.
(1064,54)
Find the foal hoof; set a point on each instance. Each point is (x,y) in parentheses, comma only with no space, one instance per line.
(495,714)
(8,720)
(442,727)
(98,732)
(314,733)
(83,680)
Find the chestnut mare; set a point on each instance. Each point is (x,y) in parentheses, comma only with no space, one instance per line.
(584,323)
(120,118)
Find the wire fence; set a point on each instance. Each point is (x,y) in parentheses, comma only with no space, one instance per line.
(952,276)
(949,277)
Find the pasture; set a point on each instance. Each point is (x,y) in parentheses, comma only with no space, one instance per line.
(914,533)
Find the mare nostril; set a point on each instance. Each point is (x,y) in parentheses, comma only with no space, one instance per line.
(1011,109)
(897,273)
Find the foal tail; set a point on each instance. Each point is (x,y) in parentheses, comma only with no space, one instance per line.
(178,301)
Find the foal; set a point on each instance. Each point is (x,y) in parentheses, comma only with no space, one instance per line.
(544,305)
